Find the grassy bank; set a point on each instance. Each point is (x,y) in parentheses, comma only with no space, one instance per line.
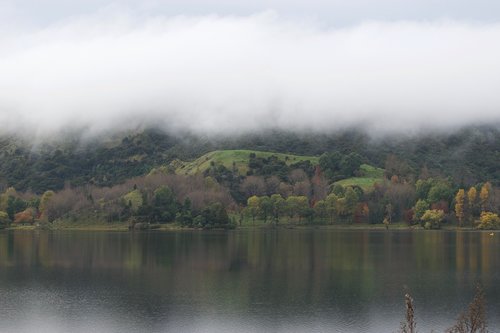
(246,223)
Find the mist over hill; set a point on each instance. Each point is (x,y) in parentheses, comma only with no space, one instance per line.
(468,156)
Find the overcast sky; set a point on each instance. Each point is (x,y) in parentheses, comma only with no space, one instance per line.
(330,12)
(228,66)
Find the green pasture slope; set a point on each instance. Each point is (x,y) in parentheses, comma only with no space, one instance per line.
(239,157)
(371,175)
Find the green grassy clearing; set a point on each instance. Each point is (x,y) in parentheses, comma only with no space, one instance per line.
(240,159)
(371,175)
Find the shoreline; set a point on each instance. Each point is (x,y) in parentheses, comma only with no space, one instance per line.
(120,227)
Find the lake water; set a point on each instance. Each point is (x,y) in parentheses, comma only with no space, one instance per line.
(314,280)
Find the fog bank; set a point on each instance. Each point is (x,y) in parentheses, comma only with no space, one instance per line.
(234,74)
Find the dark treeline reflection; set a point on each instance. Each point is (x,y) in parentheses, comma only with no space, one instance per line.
(354,280)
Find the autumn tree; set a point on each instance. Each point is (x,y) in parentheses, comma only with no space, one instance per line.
(489,220)
(484,196)
(419,210)
(27,216)
(472,201)
(433,218)
(460,206)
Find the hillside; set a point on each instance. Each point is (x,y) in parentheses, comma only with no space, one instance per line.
(371,175)
(467,156)
(237,159)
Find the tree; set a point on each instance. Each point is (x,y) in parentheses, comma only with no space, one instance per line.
(422,188)
(419,210)
(489,220)
(253,185)
(349,164)
(272,185)
(472,201)
(27,216)
(474,319)
(440,191)
(303,206)
(331,205)
(409,326)
(265,207)
(215,216)
(319,185)
(4,219)
(320,209)
(185,217)
(161,208)
(398,167)
(484,196)
(253,204)
(14,205)
(389,212)
(351,202)
(459,206)
(330,163)
(433,218)
(44,203)
(297,206)
(279,205)
(133,199)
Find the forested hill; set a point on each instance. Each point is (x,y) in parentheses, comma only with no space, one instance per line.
(467,156)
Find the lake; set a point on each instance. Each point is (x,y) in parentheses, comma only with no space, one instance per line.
(285,280)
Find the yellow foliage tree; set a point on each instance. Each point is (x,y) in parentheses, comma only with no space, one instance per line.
(484,196)
(133,199)
(489,220)
(253,204)
(471,200)
(433,218)
(459,206)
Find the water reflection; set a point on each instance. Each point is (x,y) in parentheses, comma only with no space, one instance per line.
(274,280)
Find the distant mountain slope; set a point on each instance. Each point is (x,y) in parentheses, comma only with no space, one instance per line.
(468,155)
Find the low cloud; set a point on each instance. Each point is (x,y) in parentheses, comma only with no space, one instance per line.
(233,74)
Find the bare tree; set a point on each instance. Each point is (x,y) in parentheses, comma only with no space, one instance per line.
(253,185)
(474,319)
(409,326)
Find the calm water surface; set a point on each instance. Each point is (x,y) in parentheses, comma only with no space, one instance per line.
(313,280)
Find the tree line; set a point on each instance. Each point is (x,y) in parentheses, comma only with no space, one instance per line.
(270,192)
